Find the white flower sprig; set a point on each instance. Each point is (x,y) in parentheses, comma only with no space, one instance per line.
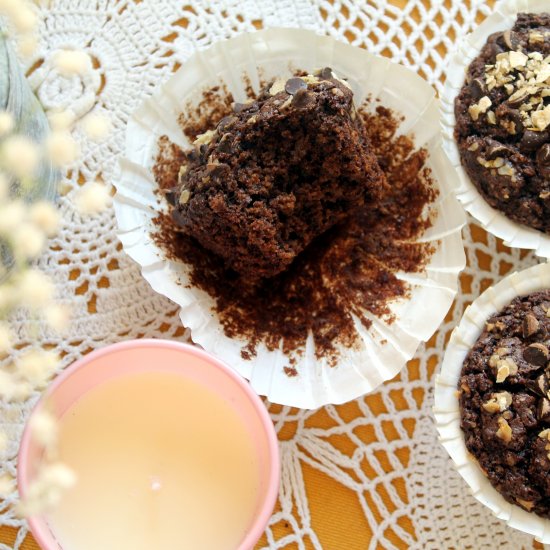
(25,228)
(22,20)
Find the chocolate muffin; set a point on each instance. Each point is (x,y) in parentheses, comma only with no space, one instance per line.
(278,172)
(503,121)
(505,402)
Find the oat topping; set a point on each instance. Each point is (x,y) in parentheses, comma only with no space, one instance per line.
(277,86)
(205,139)
(479,108)
(184,197)
(506,367)
(504,431)
(526,80)
(527,504)
(498,402)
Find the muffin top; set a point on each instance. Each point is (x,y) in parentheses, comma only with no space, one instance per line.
(503,121)
(277,173)
(505,402)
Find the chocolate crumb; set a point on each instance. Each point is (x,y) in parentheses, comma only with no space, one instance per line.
(290,371)
(349,270)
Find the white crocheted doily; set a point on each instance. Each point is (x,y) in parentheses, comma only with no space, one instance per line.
(402,479)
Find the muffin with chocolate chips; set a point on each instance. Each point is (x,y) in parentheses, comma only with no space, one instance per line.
(504,395)
(503,121)
(278,172)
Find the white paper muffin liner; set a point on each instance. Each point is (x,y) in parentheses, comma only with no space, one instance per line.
(513,234)
(446,405)
(384,348)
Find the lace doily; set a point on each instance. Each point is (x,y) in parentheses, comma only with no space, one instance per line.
(368,474)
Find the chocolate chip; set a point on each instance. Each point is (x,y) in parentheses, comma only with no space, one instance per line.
(530,325)
(326,73)
(294,84)
(519,99)
(225,122)
(170,197)
(251,106)
(540,385)
(193,155)
(515,116)
(510,39)
(531,140)
(496,150)
(493,47)
(302,98)
(536,354)
(543,409)
(225,144)
(478,88)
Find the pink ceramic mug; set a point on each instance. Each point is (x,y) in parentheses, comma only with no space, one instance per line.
(148,355)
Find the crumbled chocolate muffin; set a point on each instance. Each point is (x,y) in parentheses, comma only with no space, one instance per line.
(278,172)
(503,121)
(505,402)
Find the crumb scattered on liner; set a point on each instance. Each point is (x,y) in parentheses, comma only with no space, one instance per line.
(350,270)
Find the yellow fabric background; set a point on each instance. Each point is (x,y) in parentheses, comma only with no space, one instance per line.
(337,517)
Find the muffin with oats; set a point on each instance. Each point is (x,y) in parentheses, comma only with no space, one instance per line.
(278,172)
(503,121)
(504,397)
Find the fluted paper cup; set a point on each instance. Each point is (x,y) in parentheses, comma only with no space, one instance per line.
(446,406)
(492,220)
(384,348)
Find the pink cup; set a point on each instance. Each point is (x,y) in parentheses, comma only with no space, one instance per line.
(148,355)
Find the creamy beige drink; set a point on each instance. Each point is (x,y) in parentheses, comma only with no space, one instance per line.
(162,463)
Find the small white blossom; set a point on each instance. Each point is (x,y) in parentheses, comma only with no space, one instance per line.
(27,45)
(92,198)
(72,62)
(96,127)
(24,18)
(35,289)
(12,215)
(59,474)
(28,241)
(19,155)
(4,440)
(57,317)
(45,216)
(61,120)
(6,383)
(61,148)
(6,297)
(4,187)
(46,490)
(43,426)
(36,366)
(12,389)
(6,337)
(7,484)
(6,122)
(8,7)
